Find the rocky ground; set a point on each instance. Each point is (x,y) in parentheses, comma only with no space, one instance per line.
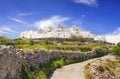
(103,68)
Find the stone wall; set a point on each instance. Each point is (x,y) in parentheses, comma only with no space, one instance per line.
(45,56)
(11,59)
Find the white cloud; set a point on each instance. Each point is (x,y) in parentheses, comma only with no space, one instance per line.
(53,21)
(87,2)
(6,30)
(2,32)
(16,20)
(113,37)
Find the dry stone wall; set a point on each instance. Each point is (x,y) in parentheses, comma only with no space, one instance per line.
(11,59)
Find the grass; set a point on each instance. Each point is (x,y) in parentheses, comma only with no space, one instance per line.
(87,74)
(27,47)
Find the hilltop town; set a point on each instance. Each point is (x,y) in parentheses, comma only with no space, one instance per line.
(60,32)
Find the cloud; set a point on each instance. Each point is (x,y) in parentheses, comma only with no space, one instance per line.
(53,21)
(2,32)
(6,30)
(87,2)
(113,37)
(16,20)
(25,14)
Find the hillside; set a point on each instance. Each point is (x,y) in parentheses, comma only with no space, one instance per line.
(74,43)
(40,64)
(38,58)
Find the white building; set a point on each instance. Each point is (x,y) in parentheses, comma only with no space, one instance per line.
(59,32)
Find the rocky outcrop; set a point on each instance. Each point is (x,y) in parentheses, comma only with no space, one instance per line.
(60,32)
(103,69)
(10,63)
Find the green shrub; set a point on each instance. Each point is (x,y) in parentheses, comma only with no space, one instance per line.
(41,75)
(116,49)
(80,38)
(88,75)
(23,42)
(76,38)
(5,41)
(100,68)
(24,72)
(58,63)
(85,49)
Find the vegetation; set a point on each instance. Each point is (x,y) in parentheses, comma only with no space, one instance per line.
(100,68)
(44,70)
(116,49)
(5,41)
(77,38)
(88,75)
(72,44)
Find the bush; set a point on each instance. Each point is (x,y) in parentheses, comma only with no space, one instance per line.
(59,63)
(76,38)
(80,38)
(41,75)
(23,42)
(5,41)
(100,68)
(85,49)
(24,72)
(88,75)
(116,49)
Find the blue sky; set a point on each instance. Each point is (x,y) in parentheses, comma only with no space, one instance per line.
(97,16)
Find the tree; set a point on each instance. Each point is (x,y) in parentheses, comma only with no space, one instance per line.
(77,38)
(73,38)
(31,42)
(80,38)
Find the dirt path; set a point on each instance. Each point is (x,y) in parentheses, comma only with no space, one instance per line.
(73,71)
